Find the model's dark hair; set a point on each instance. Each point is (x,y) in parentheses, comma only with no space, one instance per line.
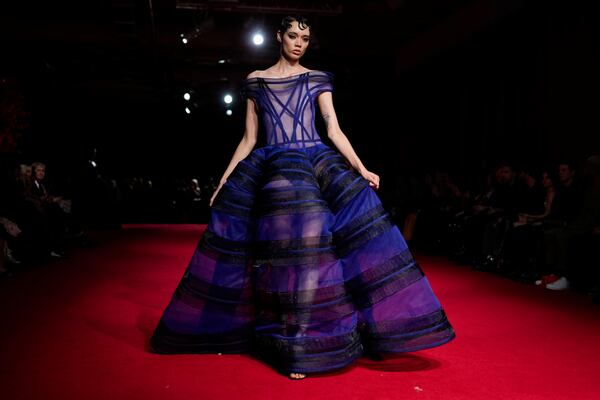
(286,23)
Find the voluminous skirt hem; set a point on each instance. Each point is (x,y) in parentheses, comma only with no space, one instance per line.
(301,265)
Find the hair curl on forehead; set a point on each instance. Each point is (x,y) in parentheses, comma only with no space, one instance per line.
(286,23)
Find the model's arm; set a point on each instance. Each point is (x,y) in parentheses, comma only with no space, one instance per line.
(340,140)
(245,147)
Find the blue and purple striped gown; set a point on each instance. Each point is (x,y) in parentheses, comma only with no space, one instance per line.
(300,264)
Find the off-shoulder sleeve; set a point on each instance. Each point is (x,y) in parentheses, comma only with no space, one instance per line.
(250,89)
(320,82)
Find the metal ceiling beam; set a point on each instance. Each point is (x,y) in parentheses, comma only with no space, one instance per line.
(324,8)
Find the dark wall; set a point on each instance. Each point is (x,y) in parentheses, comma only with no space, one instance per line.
(524,88)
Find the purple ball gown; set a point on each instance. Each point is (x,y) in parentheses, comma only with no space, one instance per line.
(300,264)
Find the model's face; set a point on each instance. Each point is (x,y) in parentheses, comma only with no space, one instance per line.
(294,41)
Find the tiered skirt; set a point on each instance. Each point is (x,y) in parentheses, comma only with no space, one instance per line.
(301,265)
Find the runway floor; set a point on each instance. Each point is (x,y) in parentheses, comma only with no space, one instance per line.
(78,329)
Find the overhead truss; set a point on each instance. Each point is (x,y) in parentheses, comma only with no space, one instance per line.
(264,7)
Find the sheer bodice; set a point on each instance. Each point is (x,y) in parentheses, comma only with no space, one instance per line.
(287,106)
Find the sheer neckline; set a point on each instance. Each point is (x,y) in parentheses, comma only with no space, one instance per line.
(287,105)
(290,77)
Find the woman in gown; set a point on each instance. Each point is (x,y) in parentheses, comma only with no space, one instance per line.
(299,264)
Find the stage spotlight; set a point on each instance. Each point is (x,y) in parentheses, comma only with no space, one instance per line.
(229,112)
(258,39)
(186,96)
(184,40)
(187,110)
(221,61)
(227,99)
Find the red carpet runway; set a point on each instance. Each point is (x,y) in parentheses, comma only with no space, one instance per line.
(78,329)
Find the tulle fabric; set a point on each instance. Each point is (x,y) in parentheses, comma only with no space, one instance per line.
(300,264)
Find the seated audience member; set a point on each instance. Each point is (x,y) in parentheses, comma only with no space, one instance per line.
(559,241)
(569,196)
(47,214)
(534,192)
(524,241)
(432,210)
(507,199)
(8,232)
(549,195)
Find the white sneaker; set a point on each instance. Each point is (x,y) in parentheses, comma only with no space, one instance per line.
(560,284)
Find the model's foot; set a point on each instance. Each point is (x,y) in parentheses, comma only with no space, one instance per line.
(297,376)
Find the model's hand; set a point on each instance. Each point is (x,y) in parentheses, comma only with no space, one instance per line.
(372,178)
(212,199)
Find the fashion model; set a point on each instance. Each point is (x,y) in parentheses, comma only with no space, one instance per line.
(300,264)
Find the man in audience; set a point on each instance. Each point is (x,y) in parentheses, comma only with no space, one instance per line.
(569,195)
(506,201)
(47,213)
(559,240)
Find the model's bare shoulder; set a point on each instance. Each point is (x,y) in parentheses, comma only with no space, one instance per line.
(305,71)
(254,74)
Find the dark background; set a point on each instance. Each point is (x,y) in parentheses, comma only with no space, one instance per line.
(419,83)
